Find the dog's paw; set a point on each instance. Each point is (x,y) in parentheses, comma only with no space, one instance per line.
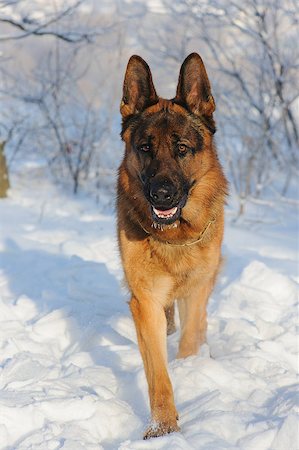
(157,429)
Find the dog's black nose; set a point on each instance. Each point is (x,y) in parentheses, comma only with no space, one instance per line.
(163,193)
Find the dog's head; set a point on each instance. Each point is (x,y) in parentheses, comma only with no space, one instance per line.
(168,142)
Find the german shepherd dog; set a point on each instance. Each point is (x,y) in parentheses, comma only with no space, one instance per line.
(170,201)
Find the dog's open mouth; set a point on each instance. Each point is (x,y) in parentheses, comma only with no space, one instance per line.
(166,216)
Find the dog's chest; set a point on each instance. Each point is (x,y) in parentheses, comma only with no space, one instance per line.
(181,263)
(186,266)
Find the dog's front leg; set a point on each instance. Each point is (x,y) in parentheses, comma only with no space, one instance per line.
(150,322)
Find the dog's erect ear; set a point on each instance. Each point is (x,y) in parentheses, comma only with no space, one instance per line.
(138,91)
(194,90)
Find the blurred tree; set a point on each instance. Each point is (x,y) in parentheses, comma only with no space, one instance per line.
(252,56)
(49,19)
(55,115)
(4,180)
(61,84)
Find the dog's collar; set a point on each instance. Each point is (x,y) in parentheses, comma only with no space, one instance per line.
(185,244)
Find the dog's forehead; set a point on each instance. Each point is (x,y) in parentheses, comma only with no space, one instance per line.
(162,123)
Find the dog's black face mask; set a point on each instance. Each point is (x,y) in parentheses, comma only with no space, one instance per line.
(165,145)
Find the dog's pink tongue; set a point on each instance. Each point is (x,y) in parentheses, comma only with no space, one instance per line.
(166,212)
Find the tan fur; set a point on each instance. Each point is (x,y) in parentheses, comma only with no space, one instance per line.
(157,273)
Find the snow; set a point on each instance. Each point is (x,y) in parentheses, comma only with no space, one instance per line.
(71,375)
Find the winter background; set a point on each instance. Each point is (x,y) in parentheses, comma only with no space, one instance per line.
(71,376)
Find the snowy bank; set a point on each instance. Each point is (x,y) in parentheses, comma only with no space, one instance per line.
(71,376)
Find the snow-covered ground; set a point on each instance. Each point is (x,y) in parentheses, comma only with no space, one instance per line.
(71,376)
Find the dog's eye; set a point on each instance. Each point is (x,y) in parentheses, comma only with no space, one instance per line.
(182,148)
(144,148)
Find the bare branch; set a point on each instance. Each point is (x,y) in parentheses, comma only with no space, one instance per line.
(30,27)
